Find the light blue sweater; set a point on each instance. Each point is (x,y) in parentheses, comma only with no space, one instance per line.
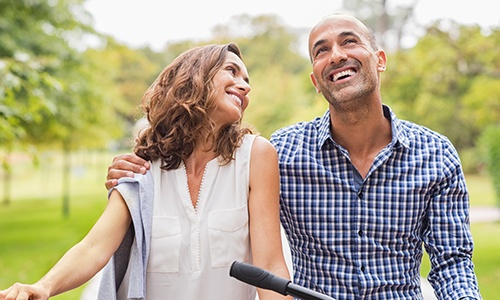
(134,249)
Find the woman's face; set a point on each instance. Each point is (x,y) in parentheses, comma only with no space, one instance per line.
(232,87)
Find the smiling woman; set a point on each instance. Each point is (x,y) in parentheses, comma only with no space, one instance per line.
(232,98)
(209,198)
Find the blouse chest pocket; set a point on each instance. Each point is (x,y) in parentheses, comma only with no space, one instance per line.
(165,245)
(228,236)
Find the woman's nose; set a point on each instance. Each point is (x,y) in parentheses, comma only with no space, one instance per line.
(243,85)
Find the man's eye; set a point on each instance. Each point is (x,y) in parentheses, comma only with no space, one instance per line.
(349,41)
(321,50)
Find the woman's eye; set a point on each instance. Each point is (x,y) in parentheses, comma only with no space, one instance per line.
(231,70)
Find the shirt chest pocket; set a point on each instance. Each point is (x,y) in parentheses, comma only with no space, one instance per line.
(165,245)
(228,236)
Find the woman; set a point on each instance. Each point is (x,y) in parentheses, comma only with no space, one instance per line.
(210,197)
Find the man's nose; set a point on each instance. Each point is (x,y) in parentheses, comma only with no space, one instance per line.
(337,55)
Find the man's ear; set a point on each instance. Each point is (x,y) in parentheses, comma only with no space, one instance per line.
(382,60)
(314,82)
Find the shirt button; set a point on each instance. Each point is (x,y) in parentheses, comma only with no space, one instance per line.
(360,232)
(362,268)
(360,195)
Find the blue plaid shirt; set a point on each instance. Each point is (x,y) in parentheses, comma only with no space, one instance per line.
(355,238)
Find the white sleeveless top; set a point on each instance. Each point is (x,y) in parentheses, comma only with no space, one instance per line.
(193,249)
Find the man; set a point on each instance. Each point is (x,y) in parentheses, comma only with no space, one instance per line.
(362,191)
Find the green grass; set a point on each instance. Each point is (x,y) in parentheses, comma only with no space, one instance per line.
(34,234)
(487,258)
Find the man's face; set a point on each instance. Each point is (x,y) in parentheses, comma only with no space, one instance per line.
(345,64)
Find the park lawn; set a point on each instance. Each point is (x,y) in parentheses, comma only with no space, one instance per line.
(487,258)
(34,235)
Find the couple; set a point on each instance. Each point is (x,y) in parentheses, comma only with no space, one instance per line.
(358,191)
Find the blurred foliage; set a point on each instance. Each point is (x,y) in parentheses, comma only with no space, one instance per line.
(391,21)
(450,82)
(124,74)
(56,90)
(42,96)
(490,143)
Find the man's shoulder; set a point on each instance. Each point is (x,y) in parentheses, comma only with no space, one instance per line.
(422,138)
(298,129)
(291,130)
(420,132)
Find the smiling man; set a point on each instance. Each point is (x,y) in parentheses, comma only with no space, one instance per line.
(362,191)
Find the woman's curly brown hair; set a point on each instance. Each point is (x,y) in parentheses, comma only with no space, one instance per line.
(177,106)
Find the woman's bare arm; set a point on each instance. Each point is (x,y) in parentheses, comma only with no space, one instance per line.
(265,234)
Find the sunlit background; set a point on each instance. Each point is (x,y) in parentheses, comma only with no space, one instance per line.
(72,74)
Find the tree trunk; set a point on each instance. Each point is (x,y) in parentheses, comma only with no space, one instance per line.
(7,179)
(66,173)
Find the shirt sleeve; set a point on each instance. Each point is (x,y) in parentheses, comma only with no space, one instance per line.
(447,236)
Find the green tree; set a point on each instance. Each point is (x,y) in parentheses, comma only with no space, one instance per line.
(50,97)
(449,82)
(125,74)
(38,42)
(37,39)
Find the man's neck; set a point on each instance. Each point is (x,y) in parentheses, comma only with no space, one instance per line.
(363,133)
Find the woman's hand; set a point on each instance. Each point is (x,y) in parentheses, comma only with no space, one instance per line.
(21,291)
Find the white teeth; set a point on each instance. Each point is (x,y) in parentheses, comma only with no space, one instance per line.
(343,73)
(238,100)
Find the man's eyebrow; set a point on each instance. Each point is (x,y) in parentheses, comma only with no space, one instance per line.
(317,44)
(349,33)
(343,34)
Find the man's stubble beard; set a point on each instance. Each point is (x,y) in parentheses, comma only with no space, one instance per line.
(349,98)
